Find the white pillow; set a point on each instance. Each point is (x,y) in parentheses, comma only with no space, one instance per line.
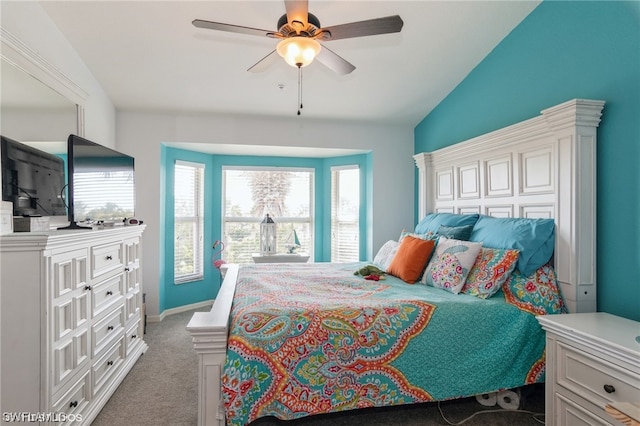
(386,253)
(450,264)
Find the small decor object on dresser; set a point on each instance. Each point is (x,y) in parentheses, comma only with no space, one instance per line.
(30,224)
(6,217)
(593,362)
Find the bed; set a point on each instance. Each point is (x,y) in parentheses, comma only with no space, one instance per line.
(280,339)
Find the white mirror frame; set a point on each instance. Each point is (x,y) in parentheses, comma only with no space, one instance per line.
(18,54)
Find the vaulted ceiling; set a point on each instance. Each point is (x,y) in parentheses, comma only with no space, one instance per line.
(148,56)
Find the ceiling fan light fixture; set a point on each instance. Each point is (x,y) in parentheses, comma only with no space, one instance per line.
(298,51)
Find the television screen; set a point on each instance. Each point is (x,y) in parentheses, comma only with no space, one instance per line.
(33,180)
(101,183)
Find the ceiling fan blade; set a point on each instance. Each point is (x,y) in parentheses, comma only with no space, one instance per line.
(386,25)
(334,62)
(264,63)
(297,10)
(231,28)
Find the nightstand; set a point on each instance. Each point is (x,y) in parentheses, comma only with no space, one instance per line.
(592,360)
(280,258)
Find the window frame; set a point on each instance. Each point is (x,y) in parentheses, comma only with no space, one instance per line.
(333,219)
(284,219)
(197,220)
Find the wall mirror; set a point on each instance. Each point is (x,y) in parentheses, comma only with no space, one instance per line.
(39,105)
(33,113)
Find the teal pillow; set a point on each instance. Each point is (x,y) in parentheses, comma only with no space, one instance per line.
(534,238)
(432,222)
(462,233)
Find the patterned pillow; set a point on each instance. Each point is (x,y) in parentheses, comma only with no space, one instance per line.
(492,268)
(451,263)
(537,293)
(386,253)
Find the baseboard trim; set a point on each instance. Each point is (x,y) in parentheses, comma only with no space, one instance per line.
(179,309)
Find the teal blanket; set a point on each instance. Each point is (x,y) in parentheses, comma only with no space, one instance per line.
(315,338)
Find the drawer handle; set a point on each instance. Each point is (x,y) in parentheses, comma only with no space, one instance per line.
(110,328)
(108,257)
(127,269)
(87,287)
(609,389)
(109,362)
(109,293)
(73,404)
(133,336)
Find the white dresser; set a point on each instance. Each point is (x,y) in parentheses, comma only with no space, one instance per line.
(593,359)
(71,306)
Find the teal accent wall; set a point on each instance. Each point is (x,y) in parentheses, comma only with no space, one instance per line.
(561,51)
(195,291)
(162,226)
(172,295)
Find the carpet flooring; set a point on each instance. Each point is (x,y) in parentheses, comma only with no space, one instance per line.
(161,390)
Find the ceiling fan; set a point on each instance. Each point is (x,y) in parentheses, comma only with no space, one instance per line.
(299,33)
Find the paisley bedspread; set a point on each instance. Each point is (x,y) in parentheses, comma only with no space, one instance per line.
(314,338)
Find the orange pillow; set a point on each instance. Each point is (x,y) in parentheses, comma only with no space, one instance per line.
(411,258)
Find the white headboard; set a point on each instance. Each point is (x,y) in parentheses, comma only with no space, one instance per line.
(541,167)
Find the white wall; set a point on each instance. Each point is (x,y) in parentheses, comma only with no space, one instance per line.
(141,134)
(28,22)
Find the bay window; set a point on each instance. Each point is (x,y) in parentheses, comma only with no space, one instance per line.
(250,193)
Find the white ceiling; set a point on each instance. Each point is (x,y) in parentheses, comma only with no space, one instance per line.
(148,56)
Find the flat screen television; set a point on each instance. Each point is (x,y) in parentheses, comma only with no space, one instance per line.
(101,183)
(33,180)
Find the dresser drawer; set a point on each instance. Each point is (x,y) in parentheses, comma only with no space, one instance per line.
(107,366)
(72,402)
(105,331)
(106,258)
(594,378)
(571,414)
(106,293)
(133,337)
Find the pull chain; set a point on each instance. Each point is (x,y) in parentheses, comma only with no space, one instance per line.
(299,88)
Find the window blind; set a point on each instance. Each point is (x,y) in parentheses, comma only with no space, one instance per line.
(345,214)
(249,193)
(188,221)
